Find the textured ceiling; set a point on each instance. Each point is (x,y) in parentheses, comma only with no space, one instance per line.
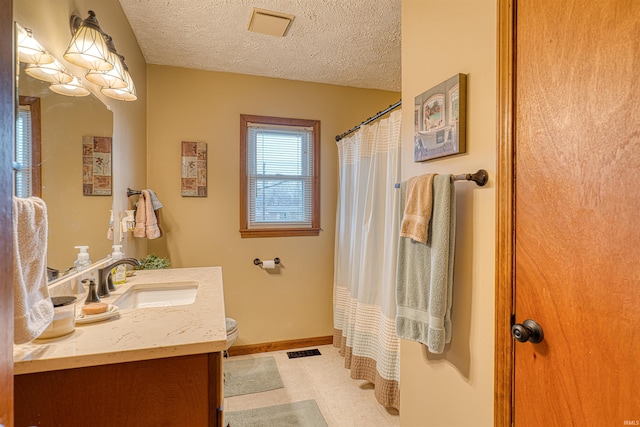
(344,42)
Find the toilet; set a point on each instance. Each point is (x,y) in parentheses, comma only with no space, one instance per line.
(232,331)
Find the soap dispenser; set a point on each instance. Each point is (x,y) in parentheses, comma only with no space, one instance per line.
(83,260)
(119,273)
(92,296)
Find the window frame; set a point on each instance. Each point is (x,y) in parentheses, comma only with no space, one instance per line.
(36,144)
(314,229)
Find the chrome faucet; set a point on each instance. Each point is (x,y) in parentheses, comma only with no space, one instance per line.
(105,282)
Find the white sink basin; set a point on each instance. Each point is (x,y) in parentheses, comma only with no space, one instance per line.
(158,295)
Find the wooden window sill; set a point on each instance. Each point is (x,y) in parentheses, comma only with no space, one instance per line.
(278,232)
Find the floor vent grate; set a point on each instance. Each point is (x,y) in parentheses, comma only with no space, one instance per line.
(303,353)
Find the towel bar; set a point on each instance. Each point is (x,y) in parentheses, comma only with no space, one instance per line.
(481,177)
(131,192)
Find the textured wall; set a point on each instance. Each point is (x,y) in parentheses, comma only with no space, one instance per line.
(456,388)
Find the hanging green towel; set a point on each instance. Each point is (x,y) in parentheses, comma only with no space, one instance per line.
(425,273)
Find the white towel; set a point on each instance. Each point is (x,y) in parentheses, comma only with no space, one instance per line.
(33,310)
(425,274)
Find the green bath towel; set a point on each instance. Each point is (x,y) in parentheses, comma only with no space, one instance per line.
(425,273)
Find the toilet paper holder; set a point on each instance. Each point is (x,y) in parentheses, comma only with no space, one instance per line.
(257,261)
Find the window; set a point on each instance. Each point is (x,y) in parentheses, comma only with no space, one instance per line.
(27,149)
(279,177)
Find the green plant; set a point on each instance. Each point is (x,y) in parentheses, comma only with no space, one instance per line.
(153,262)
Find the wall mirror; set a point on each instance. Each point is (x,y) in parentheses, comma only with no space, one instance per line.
(65,122)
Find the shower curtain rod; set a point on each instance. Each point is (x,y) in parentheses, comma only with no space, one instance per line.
(370,119)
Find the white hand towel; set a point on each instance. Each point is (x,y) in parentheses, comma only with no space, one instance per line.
(425,274)
(33,310)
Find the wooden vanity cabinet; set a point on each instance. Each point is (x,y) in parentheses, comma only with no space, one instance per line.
(174,391)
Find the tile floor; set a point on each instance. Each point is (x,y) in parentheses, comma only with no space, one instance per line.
(344,402)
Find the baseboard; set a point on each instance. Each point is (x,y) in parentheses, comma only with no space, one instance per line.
(279,345)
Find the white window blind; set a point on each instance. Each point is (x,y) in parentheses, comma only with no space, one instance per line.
(23,153)
(280,176)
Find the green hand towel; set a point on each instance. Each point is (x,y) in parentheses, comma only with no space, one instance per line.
(425,273)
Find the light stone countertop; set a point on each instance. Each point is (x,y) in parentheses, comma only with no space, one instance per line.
(137,334)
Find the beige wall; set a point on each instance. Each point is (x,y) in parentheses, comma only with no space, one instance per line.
(49,21)
(440,39)
(204,106)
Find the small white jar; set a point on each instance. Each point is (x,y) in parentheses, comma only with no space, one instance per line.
(64,317)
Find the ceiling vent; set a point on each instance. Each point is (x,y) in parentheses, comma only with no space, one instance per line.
(270,22)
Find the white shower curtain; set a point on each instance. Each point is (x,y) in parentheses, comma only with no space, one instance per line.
(367,227)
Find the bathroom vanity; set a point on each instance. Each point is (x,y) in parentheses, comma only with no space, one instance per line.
(157,365)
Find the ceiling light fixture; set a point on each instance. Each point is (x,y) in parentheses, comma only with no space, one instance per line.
(88,48)
(29,50)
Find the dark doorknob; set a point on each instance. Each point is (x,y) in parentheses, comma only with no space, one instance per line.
(529,330)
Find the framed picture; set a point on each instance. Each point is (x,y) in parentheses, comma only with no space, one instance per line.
(440,120)
(193,180)
(96,165)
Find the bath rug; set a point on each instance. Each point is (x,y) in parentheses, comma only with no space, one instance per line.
(297,414)
(248,376)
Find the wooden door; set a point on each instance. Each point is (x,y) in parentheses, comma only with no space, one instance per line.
(7,123)
(577,211)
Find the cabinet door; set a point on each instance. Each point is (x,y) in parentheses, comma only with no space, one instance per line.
(175,391)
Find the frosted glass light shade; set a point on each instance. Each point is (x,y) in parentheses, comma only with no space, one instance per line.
(88,48)
(123,94)
(73,88)
(52,73)
(29,50)
(113,78)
